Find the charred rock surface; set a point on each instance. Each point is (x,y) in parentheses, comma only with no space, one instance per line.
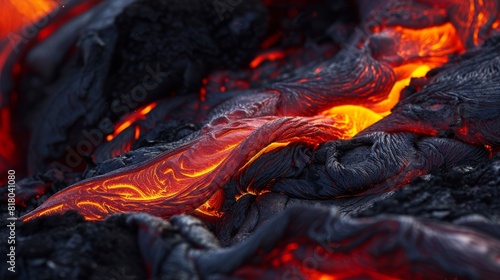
(68,247)
(372,163)
(462,194)
(458,195)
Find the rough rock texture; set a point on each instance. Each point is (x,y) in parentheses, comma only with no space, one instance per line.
(453,196)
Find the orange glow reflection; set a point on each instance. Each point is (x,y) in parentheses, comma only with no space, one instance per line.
(15,14)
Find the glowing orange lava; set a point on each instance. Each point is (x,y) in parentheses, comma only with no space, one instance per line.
(383,108)
(130,119)
(181,180)
(270,56)
(15,14)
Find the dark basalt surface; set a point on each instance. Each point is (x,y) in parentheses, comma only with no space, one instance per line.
(462,194)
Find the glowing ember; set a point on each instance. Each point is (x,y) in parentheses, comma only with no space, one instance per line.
(130,119)
(270,56)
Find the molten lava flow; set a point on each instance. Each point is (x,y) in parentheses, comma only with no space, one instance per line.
(383,108)
(355,118)
(181,180)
